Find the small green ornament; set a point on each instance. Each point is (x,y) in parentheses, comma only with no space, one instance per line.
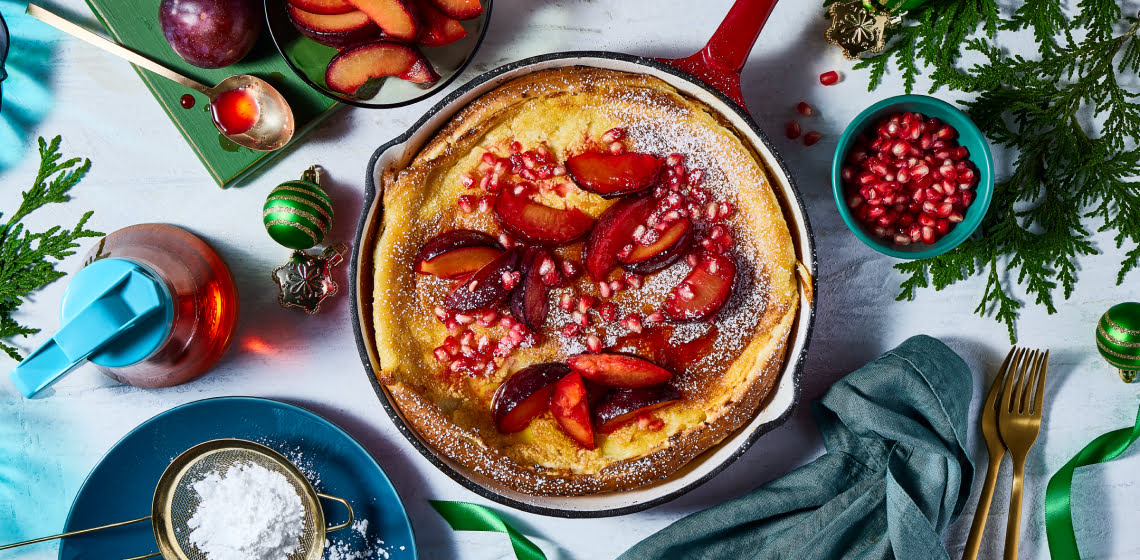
(1118,338)
(298,214)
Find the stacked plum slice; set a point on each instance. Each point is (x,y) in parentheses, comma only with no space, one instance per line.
(379,38)
(502,282)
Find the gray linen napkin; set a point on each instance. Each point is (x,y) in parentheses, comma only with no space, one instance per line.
(895,475)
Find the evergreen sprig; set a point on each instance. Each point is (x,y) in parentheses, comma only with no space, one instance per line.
(26,258)
(1071,174)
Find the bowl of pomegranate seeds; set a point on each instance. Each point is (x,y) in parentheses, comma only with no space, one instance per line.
(912,176)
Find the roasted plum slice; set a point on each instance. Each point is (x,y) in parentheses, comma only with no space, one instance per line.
(485,288)
(524,395)
(674,241)
(438,28)
(397,18)
(613,175)
(457,253)
(571,408)
(459,9)
(353,67)
(538,223)
(613,231)
(334,30)
(529,298)
(704,291)
(625,405)
(619,370)
(324,7)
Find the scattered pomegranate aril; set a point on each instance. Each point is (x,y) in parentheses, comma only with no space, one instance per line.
(812,138)
(829,78)
(792,130)
(608,312)
(805,109)
(593,343)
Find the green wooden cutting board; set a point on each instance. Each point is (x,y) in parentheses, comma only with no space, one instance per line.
(134,24)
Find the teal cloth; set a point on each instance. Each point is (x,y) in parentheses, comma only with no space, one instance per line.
(895,475)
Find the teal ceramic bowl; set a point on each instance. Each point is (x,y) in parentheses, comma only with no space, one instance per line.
(968,136)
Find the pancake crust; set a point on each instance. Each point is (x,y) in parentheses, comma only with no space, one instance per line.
(723,391)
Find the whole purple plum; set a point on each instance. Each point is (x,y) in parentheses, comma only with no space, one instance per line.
(210,33)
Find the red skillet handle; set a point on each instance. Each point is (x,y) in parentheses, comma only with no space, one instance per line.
(720,62)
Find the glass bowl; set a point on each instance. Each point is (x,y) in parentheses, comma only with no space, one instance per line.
(308,59)
(968,136)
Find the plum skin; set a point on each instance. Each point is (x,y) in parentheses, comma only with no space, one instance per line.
(210,33)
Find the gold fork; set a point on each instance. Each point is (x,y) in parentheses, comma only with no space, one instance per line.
(1019,422)
(996,448)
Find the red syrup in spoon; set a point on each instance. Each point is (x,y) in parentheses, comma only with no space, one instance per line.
(235,111)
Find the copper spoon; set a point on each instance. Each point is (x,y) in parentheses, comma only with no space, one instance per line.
(274,126)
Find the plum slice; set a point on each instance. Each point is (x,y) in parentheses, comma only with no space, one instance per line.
(674,241)
(459,9)
(334,30)
(704,291)
(614,231)
(529,298)
(457,253)
(625,405)
(524,395)
(397,18)
(538,223)
(613,175)
(356,66)
(438,28)
(485,288)
(619,370)
(571,408)
(324,7)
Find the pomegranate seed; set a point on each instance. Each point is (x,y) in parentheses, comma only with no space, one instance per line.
(792,130)
(902,239)
(928,235)
(955,217)
(467,203)
(633,322)
(724,210)
(617,148)
(585,303)
(569,269)
(510,279)
(507,322)
(811,138)
(696,177)
(946,132)
(900,148)
(632,279)
(686,291)
(691,259)
(464,319)
(454,329)
(655,317)
(617,285)
(441,355)
(566,302)
(467,181)
(604,289)
(580,318)
(804,109)
(593,343)
(967,198)
(547,266)
(441,313)
(710,211)
(674,159)
(571,330)
(607,312)
(488,318)
(613,135)
(847,173)
(829,78)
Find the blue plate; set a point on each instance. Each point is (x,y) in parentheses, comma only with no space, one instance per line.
(122,485)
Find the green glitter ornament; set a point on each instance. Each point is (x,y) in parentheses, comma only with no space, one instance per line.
(298,214)
(1118,338)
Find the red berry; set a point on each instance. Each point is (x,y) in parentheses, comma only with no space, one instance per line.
(804,109)
(829,78)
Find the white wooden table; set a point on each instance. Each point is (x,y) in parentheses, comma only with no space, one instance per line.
(143,172)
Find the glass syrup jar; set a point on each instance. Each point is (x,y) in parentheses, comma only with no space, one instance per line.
(153,306)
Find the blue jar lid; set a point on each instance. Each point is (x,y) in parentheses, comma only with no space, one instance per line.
(115,313)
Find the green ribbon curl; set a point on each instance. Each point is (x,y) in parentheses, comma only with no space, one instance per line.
(1058,494)
(464,516)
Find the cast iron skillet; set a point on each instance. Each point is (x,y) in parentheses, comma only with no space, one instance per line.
(718,66)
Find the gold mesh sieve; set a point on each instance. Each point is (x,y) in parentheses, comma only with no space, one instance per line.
(175,500)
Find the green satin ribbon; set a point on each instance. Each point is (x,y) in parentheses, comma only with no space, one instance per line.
(464,516)
(1058,494)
